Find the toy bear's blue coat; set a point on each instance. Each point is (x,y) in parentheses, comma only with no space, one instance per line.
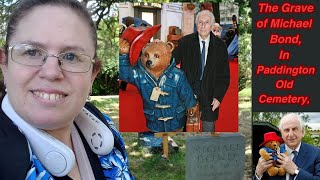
(274,152)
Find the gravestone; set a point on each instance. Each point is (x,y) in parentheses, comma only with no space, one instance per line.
(218,157)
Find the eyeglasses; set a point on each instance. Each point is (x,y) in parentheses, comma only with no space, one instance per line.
(30,55)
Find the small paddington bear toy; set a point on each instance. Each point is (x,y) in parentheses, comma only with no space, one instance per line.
(164,89)
(272,144)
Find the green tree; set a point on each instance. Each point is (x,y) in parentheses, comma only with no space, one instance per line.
(245,30)
(6,7)
(104,13)
(106,82)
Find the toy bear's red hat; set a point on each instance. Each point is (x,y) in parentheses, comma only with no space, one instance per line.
(138,39)
(271,136)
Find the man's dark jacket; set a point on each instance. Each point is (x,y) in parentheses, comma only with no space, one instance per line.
(216,77)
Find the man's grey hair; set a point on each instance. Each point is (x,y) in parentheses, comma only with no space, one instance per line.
(291,116)
(205,12)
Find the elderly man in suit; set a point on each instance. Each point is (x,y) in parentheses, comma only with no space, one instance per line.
(302,161)
(204,59)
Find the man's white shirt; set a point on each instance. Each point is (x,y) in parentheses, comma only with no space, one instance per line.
(207,41)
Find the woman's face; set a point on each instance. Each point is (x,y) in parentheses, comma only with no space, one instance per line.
(47,96)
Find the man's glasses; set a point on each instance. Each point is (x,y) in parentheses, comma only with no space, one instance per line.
(30,55)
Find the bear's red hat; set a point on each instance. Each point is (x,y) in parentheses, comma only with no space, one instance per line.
(271,136)
(138,39)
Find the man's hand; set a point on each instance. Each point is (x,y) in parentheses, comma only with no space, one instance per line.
(124,46)
(215,104)
(263,165)
(288,165)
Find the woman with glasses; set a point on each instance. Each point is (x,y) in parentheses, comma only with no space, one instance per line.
(47,130)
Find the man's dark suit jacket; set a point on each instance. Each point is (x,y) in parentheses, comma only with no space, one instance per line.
(308,160)
(216,77)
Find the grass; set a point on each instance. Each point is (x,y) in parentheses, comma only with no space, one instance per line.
(148,165)
(245,93)
(145,164)
(109,106)
(245,99)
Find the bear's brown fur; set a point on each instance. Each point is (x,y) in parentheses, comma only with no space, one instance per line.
(273,170)
(156,57)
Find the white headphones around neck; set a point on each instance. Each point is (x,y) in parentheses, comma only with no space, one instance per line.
(55,156)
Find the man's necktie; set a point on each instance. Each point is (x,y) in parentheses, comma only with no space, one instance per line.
(203,58)
(295,154)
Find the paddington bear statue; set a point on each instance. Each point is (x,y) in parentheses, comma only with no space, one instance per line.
(164,88)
